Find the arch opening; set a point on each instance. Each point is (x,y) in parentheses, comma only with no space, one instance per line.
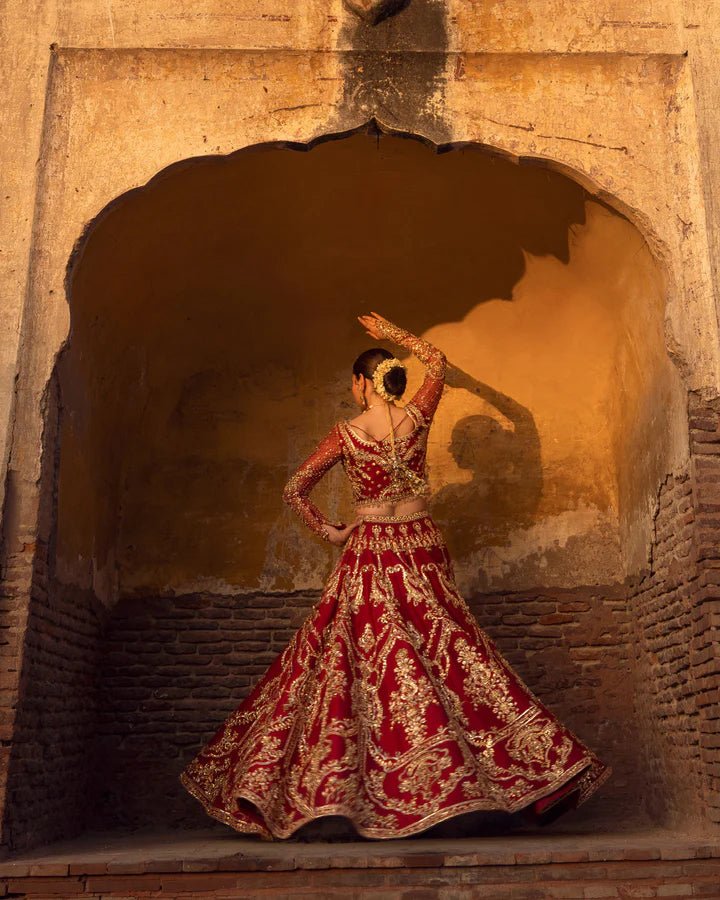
(212,331)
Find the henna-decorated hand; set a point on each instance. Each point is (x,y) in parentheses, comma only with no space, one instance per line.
(338,536)
(374,325)
(431,356)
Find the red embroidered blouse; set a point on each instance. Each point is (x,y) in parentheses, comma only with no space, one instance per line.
(368,463)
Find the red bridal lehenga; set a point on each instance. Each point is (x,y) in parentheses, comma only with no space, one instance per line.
(390,706)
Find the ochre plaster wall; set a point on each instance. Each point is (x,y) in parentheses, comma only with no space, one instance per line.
(213,330)
(171,105)
(550,475)
(601,87)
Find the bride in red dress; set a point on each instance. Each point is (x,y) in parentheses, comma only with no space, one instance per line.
(390,706)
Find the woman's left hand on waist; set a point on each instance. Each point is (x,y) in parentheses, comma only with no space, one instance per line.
(338,535)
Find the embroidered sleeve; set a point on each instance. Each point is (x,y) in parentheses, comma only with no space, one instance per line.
(306,476)
(428,395)
(426,398)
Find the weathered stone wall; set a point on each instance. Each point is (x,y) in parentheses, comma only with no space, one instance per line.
(620,95)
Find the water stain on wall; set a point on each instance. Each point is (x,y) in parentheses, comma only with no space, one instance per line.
(395,70)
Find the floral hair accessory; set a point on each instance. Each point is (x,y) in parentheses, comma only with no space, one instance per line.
(379,374)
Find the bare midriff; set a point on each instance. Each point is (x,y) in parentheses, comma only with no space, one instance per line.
(401,508)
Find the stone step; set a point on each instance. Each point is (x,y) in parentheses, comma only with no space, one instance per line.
(561,866)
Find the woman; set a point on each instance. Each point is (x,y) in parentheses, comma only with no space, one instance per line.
(390,706)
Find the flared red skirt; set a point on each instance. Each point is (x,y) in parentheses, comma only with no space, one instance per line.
(390,706)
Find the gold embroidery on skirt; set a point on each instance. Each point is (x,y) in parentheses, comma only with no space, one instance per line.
(315,739)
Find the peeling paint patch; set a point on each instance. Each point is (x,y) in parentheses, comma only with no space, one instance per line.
(584,538)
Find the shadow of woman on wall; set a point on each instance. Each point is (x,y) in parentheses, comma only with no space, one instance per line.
(506,479)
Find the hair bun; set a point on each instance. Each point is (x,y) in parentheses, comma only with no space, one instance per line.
(395,381)
(390,378)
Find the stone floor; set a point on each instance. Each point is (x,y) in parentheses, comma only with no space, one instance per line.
(530,865)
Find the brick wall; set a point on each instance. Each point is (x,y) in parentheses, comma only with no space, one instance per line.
(172,669)
(14,593)
(661,604)
(48,779)
(704,419)
(675,609)
(49,666)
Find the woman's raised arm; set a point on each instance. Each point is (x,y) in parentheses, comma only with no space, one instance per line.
(427,396)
